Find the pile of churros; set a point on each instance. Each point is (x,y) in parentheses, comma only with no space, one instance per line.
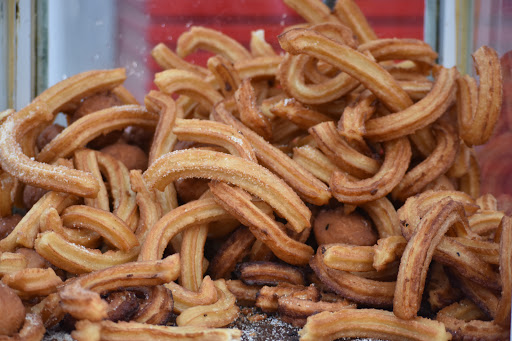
(334,184)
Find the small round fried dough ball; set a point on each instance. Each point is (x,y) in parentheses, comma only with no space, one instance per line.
(95,103)
(334,226)
(132,156)
(190,189)
(31,195)
(12,313)
(48,134)
(7,224)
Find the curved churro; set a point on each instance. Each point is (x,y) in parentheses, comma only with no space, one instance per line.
(352,287)
(232,251)
(96,331)
(67,94)
(371,323)
(269,273)
(37,173)
(436,164)
(397,156)
(217,133)
(400,49)
(418,253)
(250,115)
(235,170)
(291,75)
(341,153)
(106,224)
(77,259)
(348,257)
(418,115)
(356,64)
(225,74)
(312,11)
(118,177)
(262,226)
(195,212)
(211,40)
(349,13)
(189,84)
(259,46)
(479,107)
(167,59)
(85,160)
(79,133)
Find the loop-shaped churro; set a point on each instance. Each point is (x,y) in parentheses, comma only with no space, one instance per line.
(396,161)
(478,107)
(211,40)
(356,64)
(293,80)
(38,173)
(223,167)
(418,115)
